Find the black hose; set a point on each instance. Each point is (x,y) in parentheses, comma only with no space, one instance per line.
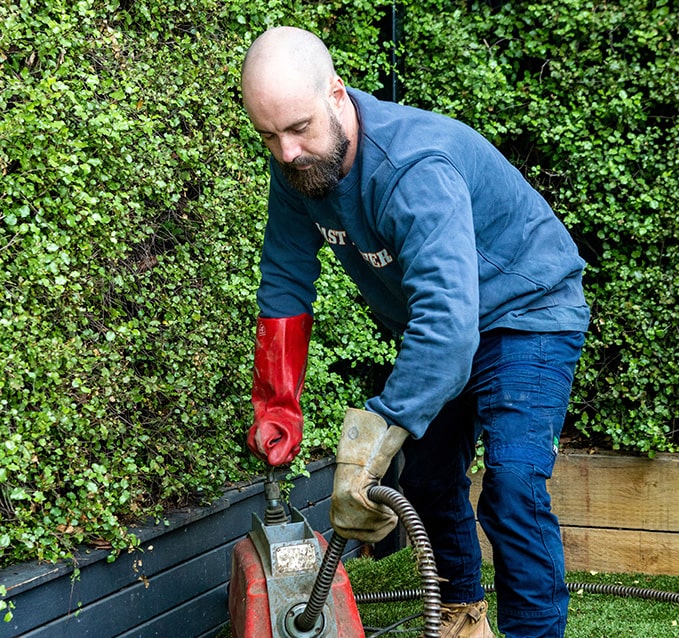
(400,595)
(323,583)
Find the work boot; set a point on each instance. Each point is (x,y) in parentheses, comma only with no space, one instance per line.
(465,620)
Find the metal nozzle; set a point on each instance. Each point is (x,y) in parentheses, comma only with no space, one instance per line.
(275,512)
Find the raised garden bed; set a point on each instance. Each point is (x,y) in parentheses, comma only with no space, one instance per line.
(617,513)
(175,586)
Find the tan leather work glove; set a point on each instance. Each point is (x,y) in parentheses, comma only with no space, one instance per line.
(366,447)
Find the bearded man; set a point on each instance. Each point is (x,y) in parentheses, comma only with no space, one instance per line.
(453,250)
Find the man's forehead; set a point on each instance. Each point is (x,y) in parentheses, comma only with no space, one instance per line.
(279,91)
(281,110)
(275,75)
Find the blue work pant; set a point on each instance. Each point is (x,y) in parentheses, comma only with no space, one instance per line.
(516,402)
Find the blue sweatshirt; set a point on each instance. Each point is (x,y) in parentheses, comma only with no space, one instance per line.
(444,238)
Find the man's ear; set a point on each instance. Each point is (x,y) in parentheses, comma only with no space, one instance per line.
(338,94)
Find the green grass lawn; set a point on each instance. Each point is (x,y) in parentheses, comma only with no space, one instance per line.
(590,615)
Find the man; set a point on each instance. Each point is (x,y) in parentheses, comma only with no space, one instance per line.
(453,249)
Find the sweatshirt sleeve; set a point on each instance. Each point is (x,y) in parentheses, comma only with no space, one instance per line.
(428,220)
(289,264)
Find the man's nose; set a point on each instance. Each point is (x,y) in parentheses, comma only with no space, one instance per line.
(290,148)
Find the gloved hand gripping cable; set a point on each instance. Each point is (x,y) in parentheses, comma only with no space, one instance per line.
(365,450)
(281,349)
(363,509)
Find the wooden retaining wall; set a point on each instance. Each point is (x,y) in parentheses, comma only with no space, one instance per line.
(618,514)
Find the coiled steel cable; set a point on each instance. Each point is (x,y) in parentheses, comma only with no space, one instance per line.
(625,590)
(425,555)
(323,583)
(616,590)
(401,595)
(391,596)
(423,551)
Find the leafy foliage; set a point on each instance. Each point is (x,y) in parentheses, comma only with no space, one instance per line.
(582,96)
(133,206)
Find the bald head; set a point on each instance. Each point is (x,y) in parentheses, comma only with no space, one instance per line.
(300,107)
(287,56)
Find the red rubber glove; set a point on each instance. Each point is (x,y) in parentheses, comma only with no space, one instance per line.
(281,349)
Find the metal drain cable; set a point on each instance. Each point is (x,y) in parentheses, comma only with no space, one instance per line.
(624,590)
(616,590)
(423,551)
(402,595)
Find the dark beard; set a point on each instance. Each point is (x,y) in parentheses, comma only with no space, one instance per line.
(323,174)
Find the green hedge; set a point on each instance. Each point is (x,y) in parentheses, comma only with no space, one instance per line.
(134,195)
(133,204)
(583,97)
